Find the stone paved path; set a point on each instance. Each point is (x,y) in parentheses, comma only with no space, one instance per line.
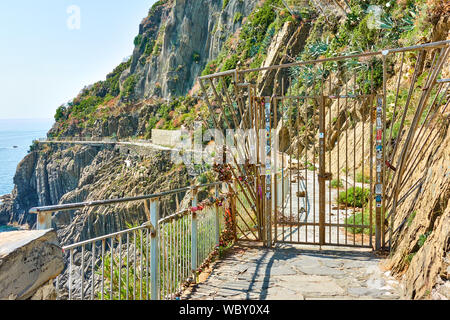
(296,273)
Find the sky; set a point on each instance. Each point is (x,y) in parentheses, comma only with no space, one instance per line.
(51,49)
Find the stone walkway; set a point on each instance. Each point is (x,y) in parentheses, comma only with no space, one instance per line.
(296,273)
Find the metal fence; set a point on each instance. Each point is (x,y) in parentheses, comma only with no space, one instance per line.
(354,127)
(152,261)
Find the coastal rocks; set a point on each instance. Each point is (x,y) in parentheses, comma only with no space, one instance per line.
(4,213)
(46,292)
(28,260)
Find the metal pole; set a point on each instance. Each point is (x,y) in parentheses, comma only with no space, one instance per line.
(322,172)
(217,217)
(194,235)
(154,250)
(44,221)
(379,173)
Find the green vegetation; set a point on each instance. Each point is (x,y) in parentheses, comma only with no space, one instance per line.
(225,3)
(411,218)
(155,6)
(138,40)
(361,219)
(254,38)
(336,183)
(196,57)
(354,197)
(410,256)
(423,238)
(129,87)
(362,178)
(237,17)
(82,109)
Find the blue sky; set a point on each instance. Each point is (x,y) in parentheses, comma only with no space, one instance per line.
(44,63)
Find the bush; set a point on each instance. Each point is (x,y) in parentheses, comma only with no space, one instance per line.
(196,57)
(237,17)
(336,183)
(361,220)
(129,86)
(60,113)
(354,197)
(361,178)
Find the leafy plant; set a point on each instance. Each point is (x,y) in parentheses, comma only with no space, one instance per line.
(423,238)
(237,17)
(336,183)
(354,197)
(360,177)
(361,219)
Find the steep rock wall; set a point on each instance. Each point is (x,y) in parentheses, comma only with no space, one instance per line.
(200,28)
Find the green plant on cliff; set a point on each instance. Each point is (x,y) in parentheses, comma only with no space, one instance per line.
(225,4)
(129,86)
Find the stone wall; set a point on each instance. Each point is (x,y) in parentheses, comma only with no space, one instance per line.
(29,260)
(168,138)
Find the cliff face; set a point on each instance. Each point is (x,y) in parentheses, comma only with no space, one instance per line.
(176,41)
(422,242)
(77,174)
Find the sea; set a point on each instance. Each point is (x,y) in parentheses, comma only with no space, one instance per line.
(16,137)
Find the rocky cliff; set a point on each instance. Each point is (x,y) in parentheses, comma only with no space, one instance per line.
(200,28)
(156,88)
(133,95)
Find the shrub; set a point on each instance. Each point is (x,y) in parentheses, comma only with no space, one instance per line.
(354,197)
(361,178)
(129,86)
(237,17)
(60,113)
(196,57)
(138,40)
(336,183)
(361,219)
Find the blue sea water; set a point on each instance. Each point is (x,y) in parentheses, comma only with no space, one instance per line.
(7,229)
(16,137)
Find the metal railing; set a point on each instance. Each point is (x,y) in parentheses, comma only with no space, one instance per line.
(152,261)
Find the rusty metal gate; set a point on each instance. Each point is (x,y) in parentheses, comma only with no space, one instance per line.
(331,164)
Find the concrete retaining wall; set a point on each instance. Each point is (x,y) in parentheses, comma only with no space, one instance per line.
(168,138)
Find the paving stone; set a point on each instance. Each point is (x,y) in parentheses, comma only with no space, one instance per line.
(356,264)
(361,291)
(320,270)
(282,271)
(332,263)
(305,261)
(277,293)
(321,285)
(298,274)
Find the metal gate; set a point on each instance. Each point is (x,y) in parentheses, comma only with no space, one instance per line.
(323,172)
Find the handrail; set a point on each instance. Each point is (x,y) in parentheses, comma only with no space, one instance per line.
(80,205)
(431,45)
(146,225)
